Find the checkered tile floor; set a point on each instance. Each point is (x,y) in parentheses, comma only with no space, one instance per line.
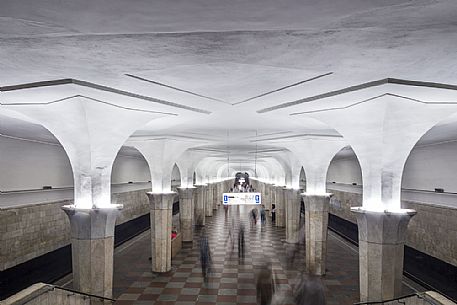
(232,280)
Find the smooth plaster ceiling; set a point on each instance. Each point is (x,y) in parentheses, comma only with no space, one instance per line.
(228,58)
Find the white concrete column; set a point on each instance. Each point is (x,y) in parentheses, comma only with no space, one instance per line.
(316,223)
(293,200)
(186,212)
(209,200)
(381,244)
(161,224)
(92,245)
(280,207)
(200,206)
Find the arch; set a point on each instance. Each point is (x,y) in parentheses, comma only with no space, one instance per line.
(91,154)
(32,173)
(440,156)
(175,177)
(350,171)
(302,179)
(130,161)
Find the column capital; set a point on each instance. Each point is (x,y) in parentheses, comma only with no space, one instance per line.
(383,227)
(317,203)
(305,194)
(96,223)
(186,192)
(161,201)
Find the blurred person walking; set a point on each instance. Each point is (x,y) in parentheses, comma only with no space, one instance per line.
(241,242)
(265,285)
(205,256)
(309,291)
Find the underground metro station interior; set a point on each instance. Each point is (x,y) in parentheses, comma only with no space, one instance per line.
(228,152)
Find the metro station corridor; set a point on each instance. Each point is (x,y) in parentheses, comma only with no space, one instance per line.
(233,280)
(128,126)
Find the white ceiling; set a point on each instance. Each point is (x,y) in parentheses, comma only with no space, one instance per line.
(227,58)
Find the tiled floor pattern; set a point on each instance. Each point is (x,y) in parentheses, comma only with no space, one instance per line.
(233,279)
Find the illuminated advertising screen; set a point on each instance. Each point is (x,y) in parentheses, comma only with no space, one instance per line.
(241,198)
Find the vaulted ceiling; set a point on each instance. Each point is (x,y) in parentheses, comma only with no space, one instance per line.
(232,74)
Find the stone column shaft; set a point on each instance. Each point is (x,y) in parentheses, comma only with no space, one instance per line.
(219,193)
(92,245)
(293,199)
(200,206)
(270,196)
(316,223)
(209,201)
(381,245)
(215,201)
(161,224)
(186,212)
(280,207)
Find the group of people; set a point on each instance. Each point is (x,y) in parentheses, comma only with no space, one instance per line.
(253,215)
(242,188)
(308,290)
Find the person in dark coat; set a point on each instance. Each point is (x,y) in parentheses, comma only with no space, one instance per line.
(273,213)
(264,285)
(309,291)
(241,242)
(205,256)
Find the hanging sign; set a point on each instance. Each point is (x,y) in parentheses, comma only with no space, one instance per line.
(241,198)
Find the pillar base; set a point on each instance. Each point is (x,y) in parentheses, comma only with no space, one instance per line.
(161,205)
(92,245)
(293,200)
(186,211)
(381,246)
(316,223)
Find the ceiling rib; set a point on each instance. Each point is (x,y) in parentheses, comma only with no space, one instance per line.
(67,81)
(283,88)
(89,98)
(176,88)
(374,98)
(298,136)
(394,81)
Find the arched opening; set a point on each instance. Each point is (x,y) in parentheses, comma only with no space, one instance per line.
(175,183)
(429,186)
(344,181)
(175,178)
(302,180)
(32,159)
(36,180)
(130,171)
